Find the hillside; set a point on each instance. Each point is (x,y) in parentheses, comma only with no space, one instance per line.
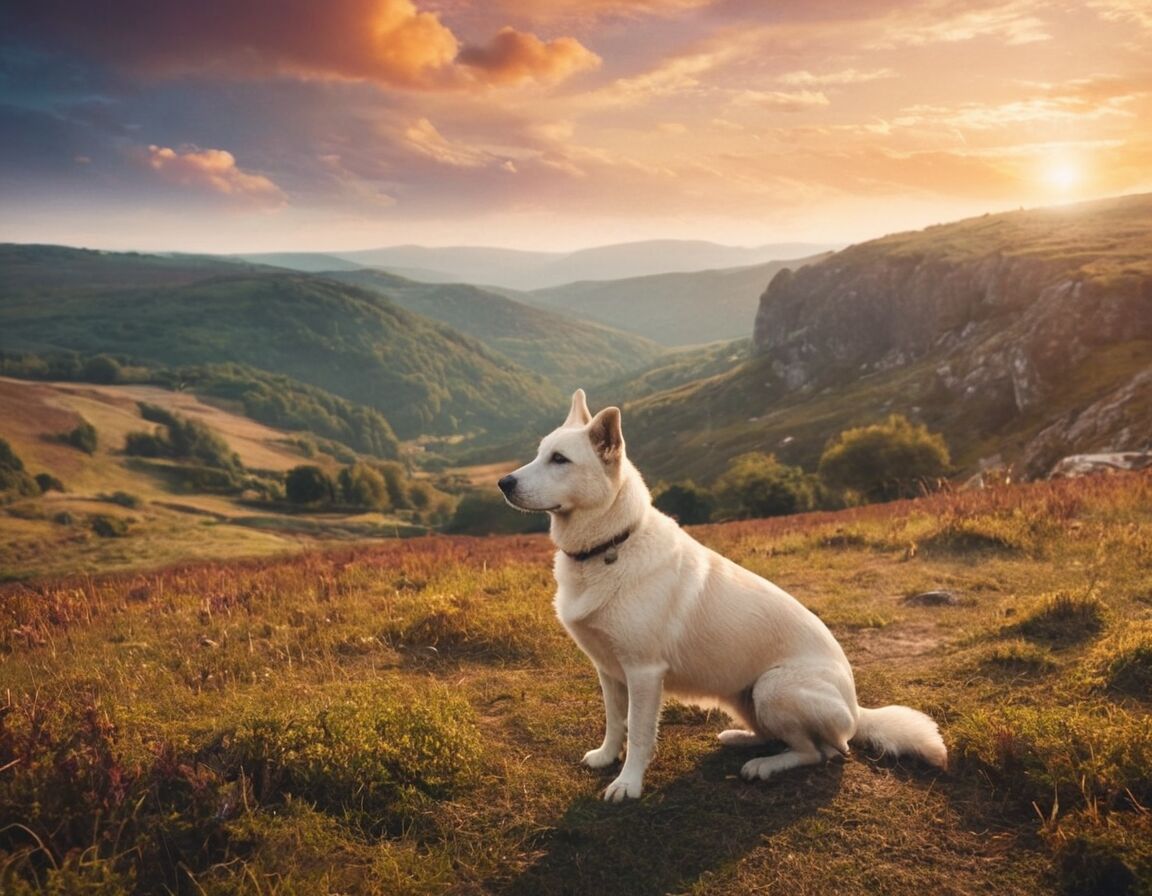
(407,717)
(423,376)
(167,521)
(1021,337)
(568,352)
(674,309)
(31,270)
(521,270)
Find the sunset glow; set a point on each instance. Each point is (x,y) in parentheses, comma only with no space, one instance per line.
(556,124)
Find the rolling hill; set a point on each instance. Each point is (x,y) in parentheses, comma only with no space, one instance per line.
(1022,337)
(515,269)
(674,309)
(423,376)
(566,351)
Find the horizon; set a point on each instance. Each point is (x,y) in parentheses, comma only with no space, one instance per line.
(556,125)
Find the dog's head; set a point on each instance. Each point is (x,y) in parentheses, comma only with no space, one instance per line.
(577,467)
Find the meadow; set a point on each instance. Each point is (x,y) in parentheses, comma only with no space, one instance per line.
(406,717)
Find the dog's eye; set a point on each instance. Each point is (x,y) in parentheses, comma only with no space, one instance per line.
(558,458)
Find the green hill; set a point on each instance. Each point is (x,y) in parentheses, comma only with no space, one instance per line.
(674,309)
(570,353)
(423,376)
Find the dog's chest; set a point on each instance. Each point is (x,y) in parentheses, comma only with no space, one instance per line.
(590,619)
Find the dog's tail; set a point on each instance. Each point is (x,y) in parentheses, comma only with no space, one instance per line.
(901,731)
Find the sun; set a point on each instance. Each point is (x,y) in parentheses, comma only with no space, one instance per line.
(1062,175)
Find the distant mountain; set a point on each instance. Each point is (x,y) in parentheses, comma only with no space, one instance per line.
(309,262)
(513,269)
(1022,337)
(673,309)
(568,352)
(423,376)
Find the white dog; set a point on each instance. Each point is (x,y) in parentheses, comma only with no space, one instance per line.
(654,609)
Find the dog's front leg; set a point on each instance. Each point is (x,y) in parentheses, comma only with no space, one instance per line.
(615,722)
(645,692)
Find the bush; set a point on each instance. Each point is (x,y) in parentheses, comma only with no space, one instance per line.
(83,437)
(13,478)
(685,501)
(362,486)
(758,485)
(885,461)
(486,513)
(102,369)
(108,526)
(49,483)
(146,444)
(308,484)
(184,439)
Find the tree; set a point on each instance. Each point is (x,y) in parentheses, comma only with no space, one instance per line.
(685,501)
(362,486)
(885,461)
(308,484)
(83,437)
(13,477)
(757,485)
(102,369)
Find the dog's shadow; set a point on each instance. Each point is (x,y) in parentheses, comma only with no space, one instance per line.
(681,829)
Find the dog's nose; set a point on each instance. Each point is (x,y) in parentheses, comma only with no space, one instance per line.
(507,484)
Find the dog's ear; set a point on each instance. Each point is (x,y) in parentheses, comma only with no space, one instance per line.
(578,414)
(606,435)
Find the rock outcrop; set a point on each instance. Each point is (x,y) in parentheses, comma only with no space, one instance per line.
(1038,315)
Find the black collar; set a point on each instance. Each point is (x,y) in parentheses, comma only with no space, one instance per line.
(608,548)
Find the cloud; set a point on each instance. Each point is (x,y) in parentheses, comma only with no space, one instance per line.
(788,101)
(389,42)
(936,23)
(830,79)
(210,170)
(423,137)
(512,57)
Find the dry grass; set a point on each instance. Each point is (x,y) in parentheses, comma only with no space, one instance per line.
(407,717)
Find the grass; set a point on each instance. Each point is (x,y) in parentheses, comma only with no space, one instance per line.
(407,718)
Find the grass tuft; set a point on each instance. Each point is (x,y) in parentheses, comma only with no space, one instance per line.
(1122,663)
(1017,657)
(1063,618)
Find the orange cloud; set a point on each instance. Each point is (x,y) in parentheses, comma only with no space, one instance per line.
(513,57)
(390,42)
(211,170)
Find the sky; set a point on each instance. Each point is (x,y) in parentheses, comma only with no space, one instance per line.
(324,125)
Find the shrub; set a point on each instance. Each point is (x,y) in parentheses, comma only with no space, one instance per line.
(13,478)
(685,501)
(308,484)
(362,486)
(146,444)
(885,461)
(102,369)
(83,437)
(48,483)
(486,513)
(758,485)
(108,526)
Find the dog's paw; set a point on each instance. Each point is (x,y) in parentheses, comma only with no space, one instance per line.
(600,758)
(623,789)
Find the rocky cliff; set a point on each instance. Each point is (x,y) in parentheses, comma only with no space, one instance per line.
(1031,324)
